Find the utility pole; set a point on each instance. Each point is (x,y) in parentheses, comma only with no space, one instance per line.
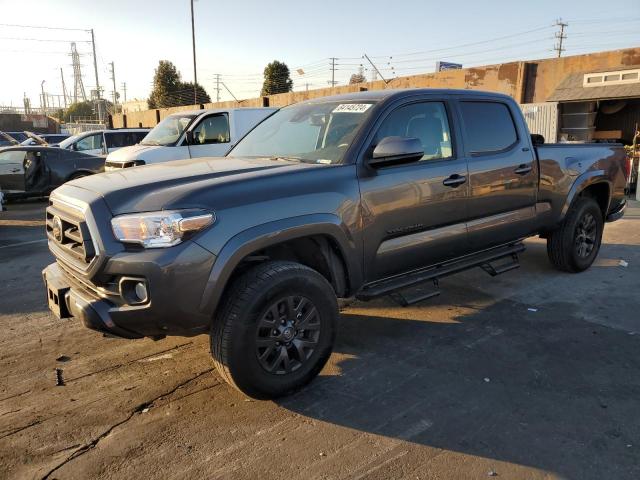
(195,75)
(375,68)
(230,92)
(217,87)
(113,79)
(333,71)
(95,69)
(124,91)
(44,98)
(64,88)
(560,36)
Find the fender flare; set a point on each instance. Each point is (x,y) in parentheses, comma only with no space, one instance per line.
(585,180)
(272,233)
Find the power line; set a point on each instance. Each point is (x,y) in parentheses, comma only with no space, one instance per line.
(44,28)
(44,40)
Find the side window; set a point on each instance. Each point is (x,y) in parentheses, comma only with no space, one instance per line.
(11,161)
(138,136)
(426,121)
(116,140)
(91,142)
(212,129)
(488,126)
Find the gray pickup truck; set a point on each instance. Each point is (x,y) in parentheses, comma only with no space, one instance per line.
(355,196)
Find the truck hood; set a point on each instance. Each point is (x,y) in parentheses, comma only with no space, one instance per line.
(133,152)
(180,183)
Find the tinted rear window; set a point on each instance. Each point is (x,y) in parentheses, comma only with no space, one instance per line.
(488,126)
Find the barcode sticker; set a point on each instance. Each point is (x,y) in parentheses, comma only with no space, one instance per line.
(352,108)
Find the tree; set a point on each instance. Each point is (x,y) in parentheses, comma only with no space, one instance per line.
(358,77)
(276,79)
(170,91)
(79,109)
(201,94)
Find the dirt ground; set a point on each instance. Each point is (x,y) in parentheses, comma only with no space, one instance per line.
(531,375)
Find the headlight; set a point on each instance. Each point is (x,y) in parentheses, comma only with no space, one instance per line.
(159,229)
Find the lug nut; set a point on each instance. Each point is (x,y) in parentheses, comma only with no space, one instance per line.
(275,332)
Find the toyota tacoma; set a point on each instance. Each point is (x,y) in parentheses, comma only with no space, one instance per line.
(354,196)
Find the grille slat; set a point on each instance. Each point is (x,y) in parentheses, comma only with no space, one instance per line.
(73,238)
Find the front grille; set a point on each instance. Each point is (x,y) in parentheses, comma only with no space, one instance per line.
(69,235)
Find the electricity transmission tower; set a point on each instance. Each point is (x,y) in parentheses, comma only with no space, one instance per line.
(560,36)
(78,86)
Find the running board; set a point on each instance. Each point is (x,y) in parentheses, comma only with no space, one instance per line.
(485,260)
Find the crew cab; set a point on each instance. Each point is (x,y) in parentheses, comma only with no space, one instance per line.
(360,195)
(190,134)
(103,142)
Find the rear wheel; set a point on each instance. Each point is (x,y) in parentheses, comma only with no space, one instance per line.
(575,244)
(276,330)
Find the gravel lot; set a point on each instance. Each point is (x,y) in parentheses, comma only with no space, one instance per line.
(531,375)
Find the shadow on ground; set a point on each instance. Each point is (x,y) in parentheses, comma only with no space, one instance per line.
(544,389)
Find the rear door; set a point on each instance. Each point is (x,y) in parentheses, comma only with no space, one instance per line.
(211,136)
(12,177)
(413,214)
(503,173)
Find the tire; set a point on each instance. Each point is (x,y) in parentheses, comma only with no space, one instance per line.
(249,341)
(575,244)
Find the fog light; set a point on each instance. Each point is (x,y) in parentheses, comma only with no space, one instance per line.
(134,290)
(141,292)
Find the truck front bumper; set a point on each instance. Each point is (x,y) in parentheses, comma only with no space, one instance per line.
(175,279)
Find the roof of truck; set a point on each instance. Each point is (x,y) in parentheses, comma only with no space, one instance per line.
(199,111)
(377,95)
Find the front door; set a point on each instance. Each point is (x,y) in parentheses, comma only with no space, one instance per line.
(211,137)
(12,178)
(91,144)
(414,215)
(503,174)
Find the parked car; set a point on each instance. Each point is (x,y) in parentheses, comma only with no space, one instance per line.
(54,139)
(18,136)
(7,140)
(359,195)
(33,171)
(102,142)
(191,134)
(33,139)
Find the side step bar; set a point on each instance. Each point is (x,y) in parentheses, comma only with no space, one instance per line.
(485,260)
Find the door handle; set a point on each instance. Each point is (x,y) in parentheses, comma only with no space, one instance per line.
(454,180)
(16,170)
(523,169)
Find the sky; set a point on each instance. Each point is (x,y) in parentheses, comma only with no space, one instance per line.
(237,39)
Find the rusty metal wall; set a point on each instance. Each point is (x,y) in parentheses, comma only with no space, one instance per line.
(542,118)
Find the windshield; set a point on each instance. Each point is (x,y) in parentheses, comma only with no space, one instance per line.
(310,132)
(66,143)
(168,131)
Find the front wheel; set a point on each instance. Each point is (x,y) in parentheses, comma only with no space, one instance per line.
(276,330)
(575,244)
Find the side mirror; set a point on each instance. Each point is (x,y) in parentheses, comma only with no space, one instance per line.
(396,150)
(537,139)
(188,137)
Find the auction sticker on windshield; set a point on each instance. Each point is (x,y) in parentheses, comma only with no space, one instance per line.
(352,108)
